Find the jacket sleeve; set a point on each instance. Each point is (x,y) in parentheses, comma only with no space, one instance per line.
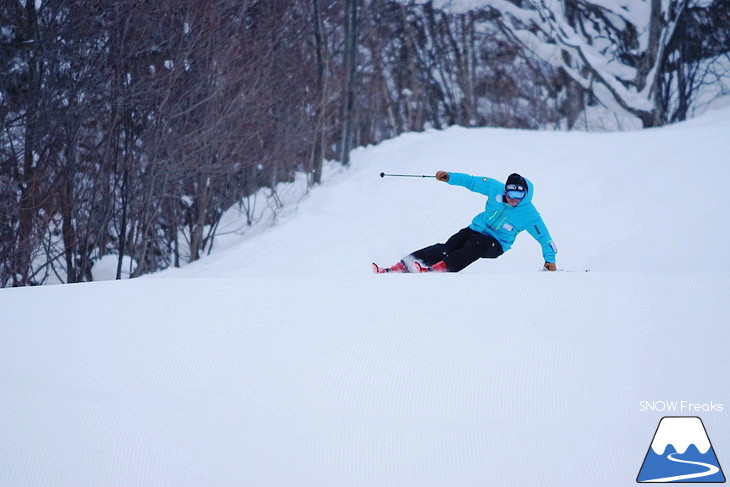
(539,232)
(480,185)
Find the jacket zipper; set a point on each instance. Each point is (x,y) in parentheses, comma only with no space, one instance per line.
(500,216)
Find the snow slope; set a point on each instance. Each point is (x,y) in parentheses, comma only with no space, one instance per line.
(281,361)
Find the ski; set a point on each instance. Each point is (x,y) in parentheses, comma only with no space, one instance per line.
(379,270)
(398,268)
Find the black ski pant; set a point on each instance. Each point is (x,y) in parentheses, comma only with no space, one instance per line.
(460,250)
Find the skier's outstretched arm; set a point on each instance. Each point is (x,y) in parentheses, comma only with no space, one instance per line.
(477,184)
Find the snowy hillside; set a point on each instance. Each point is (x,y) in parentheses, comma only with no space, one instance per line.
(282,360)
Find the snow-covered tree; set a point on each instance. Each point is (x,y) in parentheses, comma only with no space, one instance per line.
(613,47)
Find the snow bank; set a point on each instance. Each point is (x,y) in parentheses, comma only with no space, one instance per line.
(281,361)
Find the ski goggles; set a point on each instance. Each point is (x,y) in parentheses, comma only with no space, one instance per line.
(514,191)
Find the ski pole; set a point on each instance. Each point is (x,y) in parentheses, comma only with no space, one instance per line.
(382,175)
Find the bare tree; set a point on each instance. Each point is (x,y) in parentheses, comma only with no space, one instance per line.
(350,68)
(701,41)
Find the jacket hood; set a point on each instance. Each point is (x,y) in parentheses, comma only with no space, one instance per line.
(530,191)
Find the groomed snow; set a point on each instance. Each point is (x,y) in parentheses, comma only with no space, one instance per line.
(282,361)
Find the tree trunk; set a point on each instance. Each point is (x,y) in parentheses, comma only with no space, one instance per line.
(27,176)
(351,79)
(318,151)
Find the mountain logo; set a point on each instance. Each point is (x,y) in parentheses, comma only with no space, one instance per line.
(681,452)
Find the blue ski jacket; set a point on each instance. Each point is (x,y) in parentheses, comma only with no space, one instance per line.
(502,221)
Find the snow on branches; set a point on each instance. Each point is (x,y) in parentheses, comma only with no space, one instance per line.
(615,47)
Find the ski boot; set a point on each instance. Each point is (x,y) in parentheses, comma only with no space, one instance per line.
(437,267)
(398,268)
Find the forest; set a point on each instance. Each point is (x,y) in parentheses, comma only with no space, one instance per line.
(129,127)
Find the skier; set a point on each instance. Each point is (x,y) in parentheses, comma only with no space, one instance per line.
(508,211)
